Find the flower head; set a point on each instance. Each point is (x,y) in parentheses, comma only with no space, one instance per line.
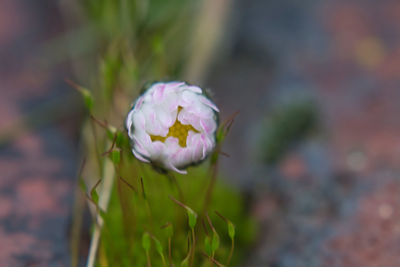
(172,125)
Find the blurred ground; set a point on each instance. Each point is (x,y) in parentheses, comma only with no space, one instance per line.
(38,165)
(333,199)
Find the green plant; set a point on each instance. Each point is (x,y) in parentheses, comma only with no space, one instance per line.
(140,216)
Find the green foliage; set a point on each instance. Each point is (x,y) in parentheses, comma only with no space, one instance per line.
(138,41)
(86,95)
(215,242)
(146,241)
(192,217)
(285,127)
(169,230)
(88,99)
(231,230)
(207,245)
(159,249)
(115,156)
(120,245)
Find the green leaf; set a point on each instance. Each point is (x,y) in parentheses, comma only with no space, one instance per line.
(146,241)
(120,140)
(115,156)
(185,262)
(102,213)
(87,98)
(214,157)
(159,247)
(220,134)
(207,245)
(82,185)
(215,242)
(111,131)
(95,196)
(231,230)
(110,134)
(192,216)
(169,230)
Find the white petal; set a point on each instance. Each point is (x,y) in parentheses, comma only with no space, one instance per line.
(174,86)
(208,103)
(172,145)
(157,150)
(139,157)
(195,145)
(208,125)
(194,89)
(128,123)
(188,118)
(172,167)
(182,157)
(153,126)
(156,111)
(158,93)
(166,118)
(139,103)
(141,144)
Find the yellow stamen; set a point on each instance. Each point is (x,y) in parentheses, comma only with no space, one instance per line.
(178,130)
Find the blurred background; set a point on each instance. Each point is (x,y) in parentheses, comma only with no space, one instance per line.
(315,146)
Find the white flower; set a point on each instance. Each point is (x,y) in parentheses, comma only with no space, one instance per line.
(172,125)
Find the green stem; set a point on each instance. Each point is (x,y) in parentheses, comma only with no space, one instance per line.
(148,259)
(211,185)
(169,252)
(96,147)
(76,226)
(193,247)
(212,259)
(173,180)
(163,261)
(231,252)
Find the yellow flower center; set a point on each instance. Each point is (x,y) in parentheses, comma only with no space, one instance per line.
(178,130)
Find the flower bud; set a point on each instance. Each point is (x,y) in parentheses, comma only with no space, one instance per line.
(172,125)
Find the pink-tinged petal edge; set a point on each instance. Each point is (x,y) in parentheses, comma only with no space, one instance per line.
(158,93)
(139,157)
(205,127)
(139,103)
(204,141)
(171,166)
(173,85)
(208,103)
(194,89)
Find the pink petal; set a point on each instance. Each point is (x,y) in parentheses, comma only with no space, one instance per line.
(141,145)
(208,103)
(195,145)
(208,126)
(158,93)
(174,85)
(139,103)
(194,89)
(188,118)
(204,141)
